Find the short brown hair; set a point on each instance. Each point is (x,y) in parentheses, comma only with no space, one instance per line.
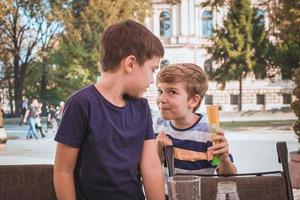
(195,79)
(128,38)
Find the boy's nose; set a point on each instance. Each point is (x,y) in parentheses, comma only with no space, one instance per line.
(162,98)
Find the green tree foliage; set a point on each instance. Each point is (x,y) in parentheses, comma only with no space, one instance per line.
(287,58)
(5,6)
(77,57)
(264,50)
(285,19)
(232,45)
(25,25)
(296,103)
(285,26)
(214,4)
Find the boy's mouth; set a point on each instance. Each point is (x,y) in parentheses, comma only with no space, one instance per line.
(162,108)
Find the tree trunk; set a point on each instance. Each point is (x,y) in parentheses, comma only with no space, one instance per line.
(16,68)
(19,77)
(43,81)
(18,99)
(240,92)
(10,88)
(43,87)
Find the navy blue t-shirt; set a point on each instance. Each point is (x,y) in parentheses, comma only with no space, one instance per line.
(110,139)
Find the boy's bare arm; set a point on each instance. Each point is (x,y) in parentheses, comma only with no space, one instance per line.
(227,167)
(151,171)
(221,148)
(64,164)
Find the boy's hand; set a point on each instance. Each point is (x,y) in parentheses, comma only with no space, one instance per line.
(220,146)
(163,140)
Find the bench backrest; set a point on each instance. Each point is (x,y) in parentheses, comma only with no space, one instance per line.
(256,188)
(26,182)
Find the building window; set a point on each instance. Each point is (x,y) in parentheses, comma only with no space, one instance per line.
(259,16)
(287,98)
(260,99)
(208,66)
(208,100)
(234,99)
(165,24)
(207,26)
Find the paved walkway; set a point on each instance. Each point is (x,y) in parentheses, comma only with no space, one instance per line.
(296,193)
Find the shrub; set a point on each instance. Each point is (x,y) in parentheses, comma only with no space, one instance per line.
(296,103)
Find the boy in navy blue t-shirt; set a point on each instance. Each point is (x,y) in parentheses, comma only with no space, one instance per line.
(106,144)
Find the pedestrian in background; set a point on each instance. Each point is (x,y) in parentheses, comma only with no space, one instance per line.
(24,108)
(60,110)
(52,119)
(31,115)
(38,122)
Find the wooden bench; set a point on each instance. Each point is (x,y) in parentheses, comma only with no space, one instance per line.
(35,182)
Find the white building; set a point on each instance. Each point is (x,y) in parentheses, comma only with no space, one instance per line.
(185,30)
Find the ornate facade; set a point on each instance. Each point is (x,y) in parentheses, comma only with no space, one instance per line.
(185,30)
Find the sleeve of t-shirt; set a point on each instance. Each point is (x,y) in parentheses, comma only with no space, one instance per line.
(73,125)
(149,129)
(155,119)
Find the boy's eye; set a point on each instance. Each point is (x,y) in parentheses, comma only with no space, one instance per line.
(172,92)
(159,91)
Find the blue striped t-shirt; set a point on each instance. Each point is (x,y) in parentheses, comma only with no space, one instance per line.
(190,145)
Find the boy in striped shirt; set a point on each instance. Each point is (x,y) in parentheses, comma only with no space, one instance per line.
(181,88)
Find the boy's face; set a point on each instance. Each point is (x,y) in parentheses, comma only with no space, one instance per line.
(142,77)
(173,101)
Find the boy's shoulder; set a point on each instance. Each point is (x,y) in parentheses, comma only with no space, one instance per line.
(82,96)
(158,120)
(159,123)
(204,119)
(134,99)
(83,93)
(141,103)
(90,93)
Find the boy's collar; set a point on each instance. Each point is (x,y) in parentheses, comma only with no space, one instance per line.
(188,128)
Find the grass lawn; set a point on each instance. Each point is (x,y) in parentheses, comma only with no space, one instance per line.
(247,124)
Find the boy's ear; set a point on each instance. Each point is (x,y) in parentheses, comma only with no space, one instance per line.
(194,101)
(129,63)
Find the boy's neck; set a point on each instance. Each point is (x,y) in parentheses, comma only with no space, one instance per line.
(110,87)
(186,121)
